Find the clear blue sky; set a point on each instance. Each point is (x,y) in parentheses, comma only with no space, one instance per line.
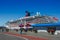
(14,9)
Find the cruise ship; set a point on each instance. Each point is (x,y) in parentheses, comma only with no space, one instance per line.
(28,20)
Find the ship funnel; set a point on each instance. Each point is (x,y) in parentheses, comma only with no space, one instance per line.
(27,13)
(38,14)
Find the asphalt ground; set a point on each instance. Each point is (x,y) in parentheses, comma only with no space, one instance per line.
(45,35)
(42,35)
(9,37)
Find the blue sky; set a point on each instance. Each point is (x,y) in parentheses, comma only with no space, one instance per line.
(14,9)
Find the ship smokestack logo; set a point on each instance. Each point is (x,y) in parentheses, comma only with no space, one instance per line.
(27,13)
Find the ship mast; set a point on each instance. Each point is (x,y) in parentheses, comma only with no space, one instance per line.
(38,14)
